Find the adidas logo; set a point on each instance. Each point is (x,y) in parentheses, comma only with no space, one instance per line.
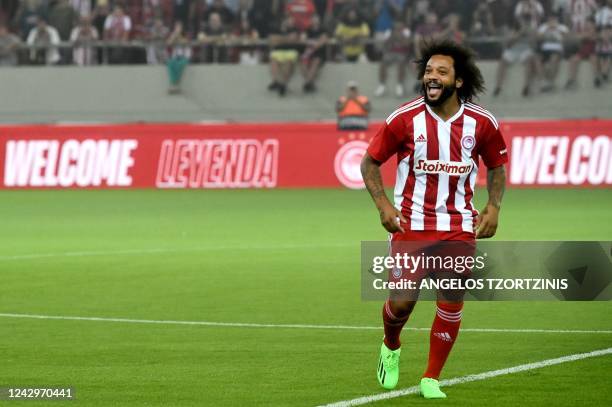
(420,139)
(444,336)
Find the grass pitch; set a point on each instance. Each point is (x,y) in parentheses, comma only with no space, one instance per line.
(268,257)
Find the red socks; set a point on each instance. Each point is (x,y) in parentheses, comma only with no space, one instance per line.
(393,327)
(442,337)
(444,331)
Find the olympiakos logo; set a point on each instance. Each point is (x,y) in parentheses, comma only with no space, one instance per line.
(468,142)
(347,163)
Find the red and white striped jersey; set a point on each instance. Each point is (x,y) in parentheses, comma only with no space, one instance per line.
(437,162)
(580,11)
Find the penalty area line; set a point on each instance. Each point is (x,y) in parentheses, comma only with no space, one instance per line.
(286,326)
(471,378)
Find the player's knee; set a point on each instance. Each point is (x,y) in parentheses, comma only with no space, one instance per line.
(401,308)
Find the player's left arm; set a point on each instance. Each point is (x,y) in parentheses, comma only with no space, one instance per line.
(489,216)
(495,155)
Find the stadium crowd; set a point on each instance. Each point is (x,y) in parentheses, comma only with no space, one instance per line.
(303,34)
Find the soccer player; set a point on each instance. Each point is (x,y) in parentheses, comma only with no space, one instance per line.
(434,202)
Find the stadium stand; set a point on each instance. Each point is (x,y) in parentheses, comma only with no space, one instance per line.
(135,34)
(138,93)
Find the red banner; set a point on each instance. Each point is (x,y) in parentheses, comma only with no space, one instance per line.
(294,155)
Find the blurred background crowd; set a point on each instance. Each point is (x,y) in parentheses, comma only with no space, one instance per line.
(306,33)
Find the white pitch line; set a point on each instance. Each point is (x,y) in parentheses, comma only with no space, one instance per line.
(161,251)
(289,326)
(471,378)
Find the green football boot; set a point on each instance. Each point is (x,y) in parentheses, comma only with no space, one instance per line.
(388,367)
(430,389)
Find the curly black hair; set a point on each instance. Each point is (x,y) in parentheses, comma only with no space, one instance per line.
(464,64)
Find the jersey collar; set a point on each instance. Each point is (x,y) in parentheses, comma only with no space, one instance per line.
(450,120)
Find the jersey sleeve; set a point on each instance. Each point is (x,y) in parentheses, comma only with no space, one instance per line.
(493,151)
(384,144)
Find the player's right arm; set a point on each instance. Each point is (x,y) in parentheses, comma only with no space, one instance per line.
(385,144)
(389,215)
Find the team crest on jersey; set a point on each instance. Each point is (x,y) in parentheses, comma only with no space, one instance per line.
(420,139)
(468,142)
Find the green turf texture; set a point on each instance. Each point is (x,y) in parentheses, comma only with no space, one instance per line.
(280,257)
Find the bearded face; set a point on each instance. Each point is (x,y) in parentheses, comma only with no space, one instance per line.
(439,82)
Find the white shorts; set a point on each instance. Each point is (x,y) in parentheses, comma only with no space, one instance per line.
(517,54)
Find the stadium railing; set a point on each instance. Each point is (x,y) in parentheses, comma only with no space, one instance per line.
(486,47)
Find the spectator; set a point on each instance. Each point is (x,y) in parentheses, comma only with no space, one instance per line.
(502,11)
(27,16)
(247,53)
(213,38)
(561,9)
(604,53)
(482,21)
(285,45)
(180,55)
(427,30)
(396,50)
(63,17)
(603,17)
(321,8)
(603,20)
(529,11)
(156,46)
(352,33)
(453,30)
(117,28)
(263,15)
(233,5)
(82,7)
(9,44)
(224,12)
(586,51)
(420,10)
(367,10)
(301,11)
(181,10)
(386,12)
(149,12)
(551,36)
(443,8)
(82,37)
(314,56)
(581,11)
(244,13)
(519,48)
(353,109)
(8,10)
(45,40)
(100,13)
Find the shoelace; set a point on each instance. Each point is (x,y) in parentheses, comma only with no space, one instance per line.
(390,361)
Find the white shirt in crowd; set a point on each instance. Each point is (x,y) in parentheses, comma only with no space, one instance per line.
(603,17)
(36,37)
(83,54)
